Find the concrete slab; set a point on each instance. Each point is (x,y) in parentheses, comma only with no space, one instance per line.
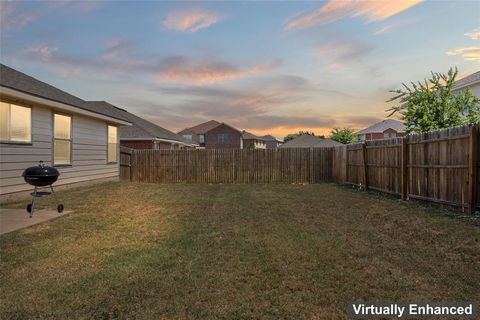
(16,219)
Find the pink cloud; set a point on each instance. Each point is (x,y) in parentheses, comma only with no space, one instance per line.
(191,20)
(338,9)
(189,71)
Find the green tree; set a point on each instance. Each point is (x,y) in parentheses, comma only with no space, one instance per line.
(343,135)
(292,136)
(431,104)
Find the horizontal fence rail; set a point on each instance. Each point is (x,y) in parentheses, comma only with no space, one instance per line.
(439,166)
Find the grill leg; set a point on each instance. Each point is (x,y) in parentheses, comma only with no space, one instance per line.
(54,195)
(33,201)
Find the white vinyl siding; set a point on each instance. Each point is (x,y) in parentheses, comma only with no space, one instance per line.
(89,152)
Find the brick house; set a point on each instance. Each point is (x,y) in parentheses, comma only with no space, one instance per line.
(143,134)
(213,135)
(385,129)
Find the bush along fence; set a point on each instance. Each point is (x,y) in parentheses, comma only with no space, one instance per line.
(439,166)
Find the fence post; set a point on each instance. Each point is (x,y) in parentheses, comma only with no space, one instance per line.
(311,167)
(365,167)
(472,169)
(404,168)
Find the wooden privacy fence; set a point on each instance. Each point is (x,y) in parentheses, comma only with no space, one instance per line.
(439,166)
(125,163)
(232,166)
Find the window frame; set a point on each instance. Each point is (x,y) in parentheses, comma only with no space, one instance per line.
(62,139)
(201,138)
(116,144)
(14,142)
(225,136)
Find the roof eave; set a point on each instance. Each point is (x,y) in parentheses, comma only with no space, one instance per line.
(157,139)
(467,85)
(59,105)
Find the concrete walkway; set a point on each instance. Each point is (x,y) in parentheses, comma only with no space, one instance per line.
(16,219)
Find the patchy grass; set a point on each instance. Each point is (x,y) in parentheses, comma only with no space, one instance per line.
(234,252)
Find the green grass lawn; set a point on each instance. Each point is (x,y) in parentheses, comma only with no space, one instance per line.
(233,252)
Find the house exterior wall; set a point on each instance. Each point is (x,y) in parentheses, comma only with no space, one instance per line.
(257,144)
(272,144)
(474,88)
(381,135)
(186,133)
(149,144)
(234,140)
(137,144)
(88,156)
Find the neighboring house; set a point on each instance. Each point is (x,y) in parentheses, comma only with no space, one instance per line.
(39,122)
(251,141)
(271,142)
(385,129)
(308,141)
(471,82)
(143,134)
(213,135)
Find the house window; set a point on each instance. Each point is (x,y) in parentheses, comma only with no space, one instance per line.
(201,138)
(112,144)
(188,137)
(386,135)
(62,139)
(15,123)
(222,138)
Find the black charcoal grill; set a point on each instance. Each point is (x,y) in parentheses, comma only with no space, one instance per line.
(41,176)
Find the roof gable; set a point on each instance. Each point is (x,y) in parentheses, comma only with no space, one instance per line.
(269,137)
(250,136)
(140,127)
(308,141)
(202,127)
(381,126)
(205,127)
(13,79)
(467,81)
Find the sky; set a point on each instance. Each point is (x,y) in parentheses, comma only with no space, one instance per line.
(267,67)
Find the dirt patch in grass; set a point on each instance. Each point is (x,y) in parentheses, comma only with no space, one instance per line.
(233,251)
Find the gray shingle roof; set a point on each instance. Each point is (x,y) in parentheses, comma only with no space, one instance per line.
(13,79)
(201,128)
(250,136)
(467,81)
(384,125)
(308,141)
(269,137)
(140,127)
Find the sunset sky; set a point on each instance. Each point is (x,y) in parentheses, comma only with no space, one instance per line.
(266,67)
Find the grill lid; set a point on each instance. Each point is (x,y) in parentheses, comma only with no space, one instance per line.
(40,171)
